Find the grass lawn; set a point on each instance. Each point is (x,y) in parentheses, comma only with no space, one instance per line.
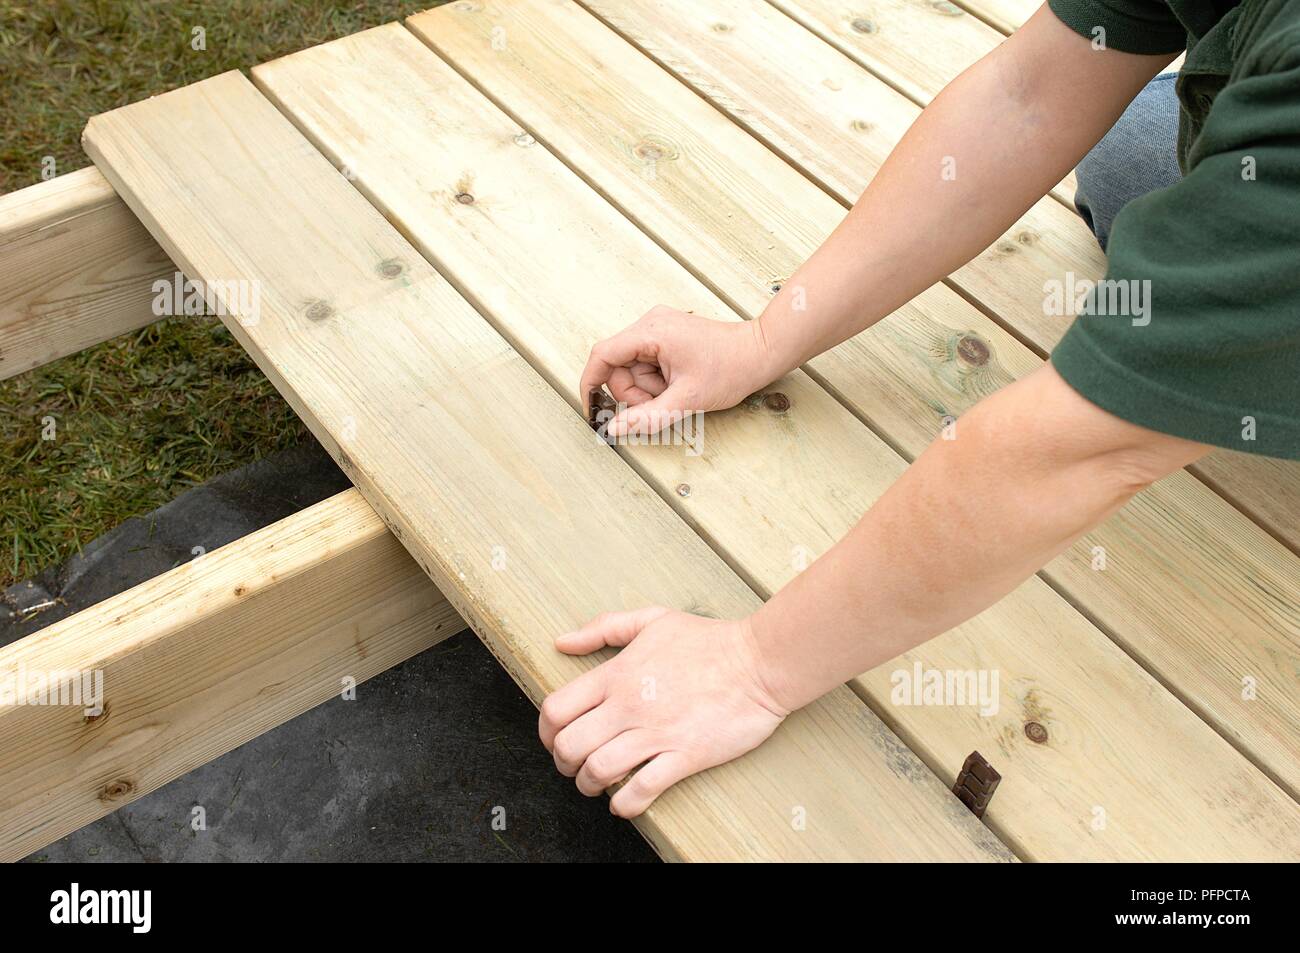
(140,418)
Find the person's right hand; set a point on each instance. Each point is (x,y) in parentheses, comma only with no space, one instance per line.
(670,362)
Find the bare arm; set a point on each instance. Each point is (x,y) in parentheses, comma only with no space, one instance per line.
(992,143)
(1026,473)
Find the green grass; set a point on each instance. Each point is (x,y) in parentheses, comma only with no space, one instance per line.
(143,417)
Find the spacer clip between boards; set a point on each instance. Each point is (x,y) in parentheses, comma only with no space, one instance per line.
(601,409)
(976,783)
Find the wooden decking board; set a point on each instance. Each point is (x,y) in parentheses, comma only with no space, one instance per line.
(806,474)
(935,40)
(461,448)
(1006,16)
(917,47)
(1182,591)
(205,657)
(1266,489)
(76,268)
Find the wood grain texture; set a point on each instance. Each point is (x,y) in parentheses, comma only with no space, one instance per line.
(1198,594)
(1005,16)
(1266,489)
(772,487)
(917,46)
(76,268)
(526,522)
(205,657)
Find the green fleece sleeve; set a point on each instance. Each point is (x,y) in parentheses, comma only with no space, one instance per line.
(1216,358)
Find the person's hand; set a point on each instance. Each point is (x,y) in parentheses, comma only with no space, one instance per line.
(670,362)
(684,695)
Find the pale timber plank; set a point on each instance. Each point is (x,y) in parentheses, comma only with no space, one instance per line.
(475,463)
(917,46)
(1195,592)
(205,657)
(1005,16)
(771,488)
(1266,489)
(76,268)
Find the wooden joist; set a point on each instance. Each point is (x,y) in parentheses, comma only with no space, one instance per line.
(76,268)
(197,661)
(807,471)
(494,484)
(1224,609)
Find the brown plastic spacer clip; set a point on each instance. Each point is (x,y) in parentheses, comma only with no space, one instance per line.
(976,783)
(600,411)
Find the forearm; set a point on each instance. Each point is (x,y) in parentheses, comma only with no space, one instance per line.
(1032,468)
(991,143)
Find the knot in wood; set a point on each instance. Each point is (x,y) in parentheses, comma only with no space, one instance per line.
(1036,733)
(116,790)
(319,310)
(973,351)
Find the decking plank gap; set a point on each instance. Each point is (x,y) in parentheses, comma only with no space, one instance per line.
(526,522)
(1183,584)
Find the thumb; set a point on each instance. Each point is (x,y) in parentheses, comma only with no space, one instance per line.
(650,416)
(609,628)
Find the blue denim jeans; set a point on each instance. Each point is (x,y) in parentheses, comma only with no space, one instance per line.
(1137,156)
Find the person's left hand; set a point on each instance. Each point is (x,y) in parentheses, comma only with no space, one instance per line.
(684,695)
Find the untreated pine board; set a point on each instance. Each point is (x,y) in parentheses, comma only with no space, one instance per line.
(1200,595)
(525,521)
(1006,16)
(1266,488)
(916,46)
(779,479)
(76,268)
(746,71)
(197,661)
